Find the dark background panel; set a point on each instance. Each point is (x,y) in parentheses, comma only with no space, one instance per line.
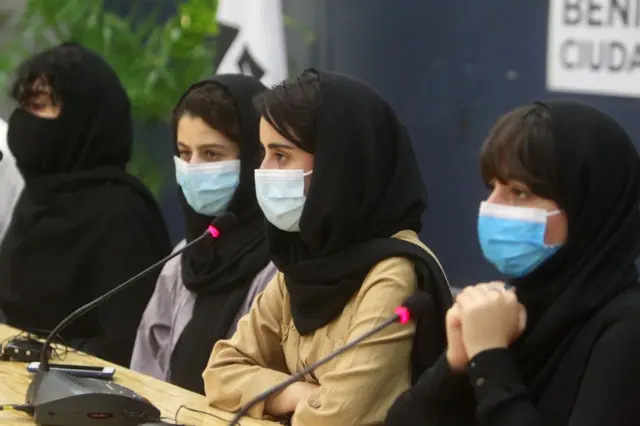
(450,69)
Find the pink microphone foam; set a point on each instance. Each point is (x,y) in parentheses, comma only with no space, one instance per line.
(213,231)
(403,313)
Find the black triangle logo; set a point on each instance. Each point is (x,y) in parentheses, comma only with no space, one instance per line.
(245,62)
(224,40)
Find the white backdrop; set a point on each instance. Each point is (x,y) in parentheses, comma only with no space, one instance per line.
(593,47)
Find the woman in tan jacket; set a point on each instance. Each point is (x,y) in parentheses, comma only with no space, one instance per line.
(338,182)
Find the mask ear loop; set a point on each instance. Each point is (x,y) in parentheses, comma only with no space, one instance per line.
(549,214)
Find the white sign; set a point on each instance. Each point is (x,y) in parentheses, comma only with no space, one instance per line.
(594,47)
(252,39)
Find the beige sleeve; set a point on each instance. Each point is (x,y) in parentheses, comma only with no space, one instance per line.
(363,382)
(237,369)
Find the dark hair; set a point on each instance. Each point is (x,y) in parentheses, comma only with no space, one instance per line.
(291,108)
(520,147)
(212,103)
(51,68)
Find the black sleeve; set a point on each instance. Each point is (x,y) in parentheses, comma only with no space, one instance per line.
(131,244)
(437,393)
(608,393)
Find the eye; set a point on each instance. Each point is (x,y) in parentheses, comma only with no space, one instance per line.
(280,158)
(212,155)
(184,154)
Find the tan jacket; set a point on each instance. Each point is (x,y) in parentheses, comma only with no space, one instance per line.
(357,387)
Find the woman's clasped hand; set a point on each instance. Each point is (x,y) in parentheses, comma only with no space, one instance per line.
(484,316)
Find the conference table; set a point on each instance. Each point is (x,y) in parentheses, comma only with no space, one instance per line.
(14,380)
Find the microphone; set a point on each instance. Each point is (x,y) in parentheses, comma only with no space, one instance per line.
(56,398)
(225,222)
(416,306)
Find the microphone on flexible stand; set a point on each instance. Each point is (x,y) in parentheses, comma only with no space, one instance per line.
(416,306)
(59,399)
(224,222)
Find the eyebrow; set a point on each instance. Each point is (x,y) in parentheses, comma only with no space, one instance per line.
(277,145)
(516,183)
(206,145)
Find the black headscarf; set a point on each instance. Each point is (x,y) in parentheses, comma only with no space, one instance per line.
(87,135)
(599,189)
(592,280)
(366,186)
(220,272)
(83,224)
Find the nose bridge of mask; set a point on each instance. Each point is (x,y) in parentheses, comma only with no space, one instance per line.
(280,183)
(528,214)
(212,167)
(281,174)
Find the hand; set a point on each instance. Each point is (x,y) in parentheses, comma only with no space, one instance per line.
(491,317)
(456,353)
(285,402)
(300,391)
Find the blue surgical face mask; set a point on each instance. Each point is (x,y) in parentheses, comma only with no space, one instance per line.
(512,238)
(281,196)
(208,187)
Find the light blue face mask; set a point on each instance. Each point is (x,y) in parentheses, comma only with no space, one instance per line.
(512,238)
(280,194)
(208,187)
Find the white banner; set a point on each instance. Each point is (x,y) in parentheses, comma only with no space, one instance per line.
(594,47)
(251,39)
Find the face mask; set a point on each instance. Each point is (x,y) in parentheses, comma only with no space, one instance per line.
(31,140)
(208,187)
(281,197)
(512,238)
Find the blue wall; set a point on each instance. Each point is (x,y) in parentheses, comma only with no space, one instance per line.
(450,70)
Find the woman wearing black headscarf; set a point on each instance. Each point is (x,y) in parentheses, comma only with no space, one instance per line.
(343,195)
(201,294)
(83,225)
(562,220)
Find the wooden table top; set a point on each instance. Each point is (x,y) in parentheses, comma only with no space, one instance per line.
(14,380)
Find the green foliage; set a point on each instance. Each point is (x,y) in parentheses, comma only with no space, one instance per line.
(155,61)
